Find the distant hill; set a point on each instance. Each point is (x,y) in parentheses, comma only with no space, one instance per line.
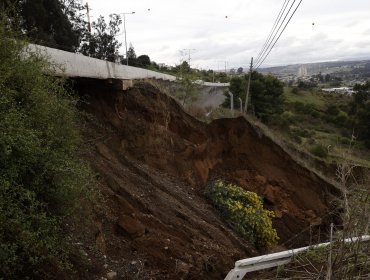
(323,67)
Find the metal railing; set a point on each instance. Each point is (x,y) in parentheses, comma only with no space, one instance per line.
(242,267)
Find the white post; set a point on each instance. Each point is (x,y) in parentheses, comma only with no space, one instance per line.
(241,105)
(124,28)
(328,275)
(231,103)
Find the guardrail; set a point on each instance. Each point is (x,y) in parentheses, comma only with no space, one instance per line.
(242,267)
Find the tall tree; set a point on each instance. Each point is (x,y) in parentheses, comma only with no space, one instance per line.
(143,61)
(102,43)
(361,111)
(131,55)
(266,94)
(45,23)
(75,11)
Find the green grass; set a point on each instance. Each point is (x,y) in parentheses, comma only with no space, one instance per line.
(308,130)
(305,97)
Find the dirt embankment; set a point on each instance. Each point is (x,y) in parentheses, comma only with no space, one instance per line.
(154,160)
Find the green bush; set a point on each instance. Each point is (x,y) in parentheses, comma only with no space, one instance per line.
(286,118)
(41,175)
(244,210)
(341,119)
(319,151)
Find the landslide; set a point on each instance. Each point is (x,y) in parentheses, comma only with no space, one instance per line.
(154,160)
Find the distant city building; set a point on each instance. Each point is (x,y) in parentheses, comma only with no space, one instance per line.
(342,90)
(302,71)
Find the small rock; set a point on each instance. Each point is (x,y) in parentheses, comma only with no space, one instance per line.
(105,266)
(182,268)
(131,225)
(112,275)
(166,248)
(134,262)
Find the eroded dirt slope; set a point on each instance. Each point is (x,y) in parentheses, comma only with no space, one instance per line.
(154,161)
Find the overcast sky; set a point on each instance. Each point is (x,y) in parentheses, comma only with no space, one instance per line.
(235,30)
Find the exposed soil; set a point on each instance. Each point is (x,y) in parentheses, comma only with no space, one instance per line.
(154,160)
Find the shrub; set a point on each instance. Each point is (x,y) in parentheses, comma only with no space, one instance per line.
(287,118)
(342,119)
(41,175)
(319,151)
(244,210)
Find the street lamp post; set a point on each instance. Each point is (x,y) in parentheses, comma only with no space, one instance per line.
(124,27)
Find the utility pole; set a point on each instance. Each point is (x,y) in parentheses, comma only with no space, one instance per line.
(248,87)
(189,54)
(88,17)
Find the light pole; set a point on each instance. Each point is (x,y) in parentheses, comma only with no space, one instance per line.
(124,28)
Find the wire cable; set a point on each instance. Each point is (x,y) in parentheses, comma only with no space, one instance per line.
(277,31)
(280,34)
(277,20)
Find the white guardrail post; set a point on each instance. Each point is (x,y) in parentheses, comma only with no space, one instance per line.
(242,267)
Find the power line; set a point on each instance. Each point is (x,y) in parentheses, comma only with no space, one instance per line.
(277,20)
(280,33)
(277,31)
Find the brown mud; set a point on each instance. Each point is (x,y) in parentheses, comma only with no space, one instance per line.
(153,160)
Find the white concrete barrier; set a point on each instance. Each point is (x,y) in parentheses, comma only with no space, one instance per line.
(78,65)
(208,84)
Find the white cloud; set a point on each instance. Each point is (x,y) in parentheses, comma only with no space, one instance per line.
(171,25)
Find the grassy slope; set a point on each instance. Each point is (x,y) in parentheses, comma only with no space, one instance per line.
(315,130)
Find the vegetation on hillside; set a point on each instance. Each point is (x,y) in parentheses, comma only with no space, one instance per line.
(41,175)
(244,211)
(326,124)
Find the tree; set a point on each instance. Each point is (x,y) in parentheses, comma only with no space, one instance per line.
(102,42)
(143,61)
(240,70)
(131,55)
(45,23)
(266,94)
(187,90)
(185,67)
(237,87)
(361,111)
(73,9)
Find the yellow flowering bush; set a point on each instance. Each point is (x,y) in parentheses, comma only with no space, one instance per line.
(244,210)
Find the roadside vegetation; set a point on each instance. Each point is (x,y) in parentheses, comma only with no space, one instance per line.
(43,180)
